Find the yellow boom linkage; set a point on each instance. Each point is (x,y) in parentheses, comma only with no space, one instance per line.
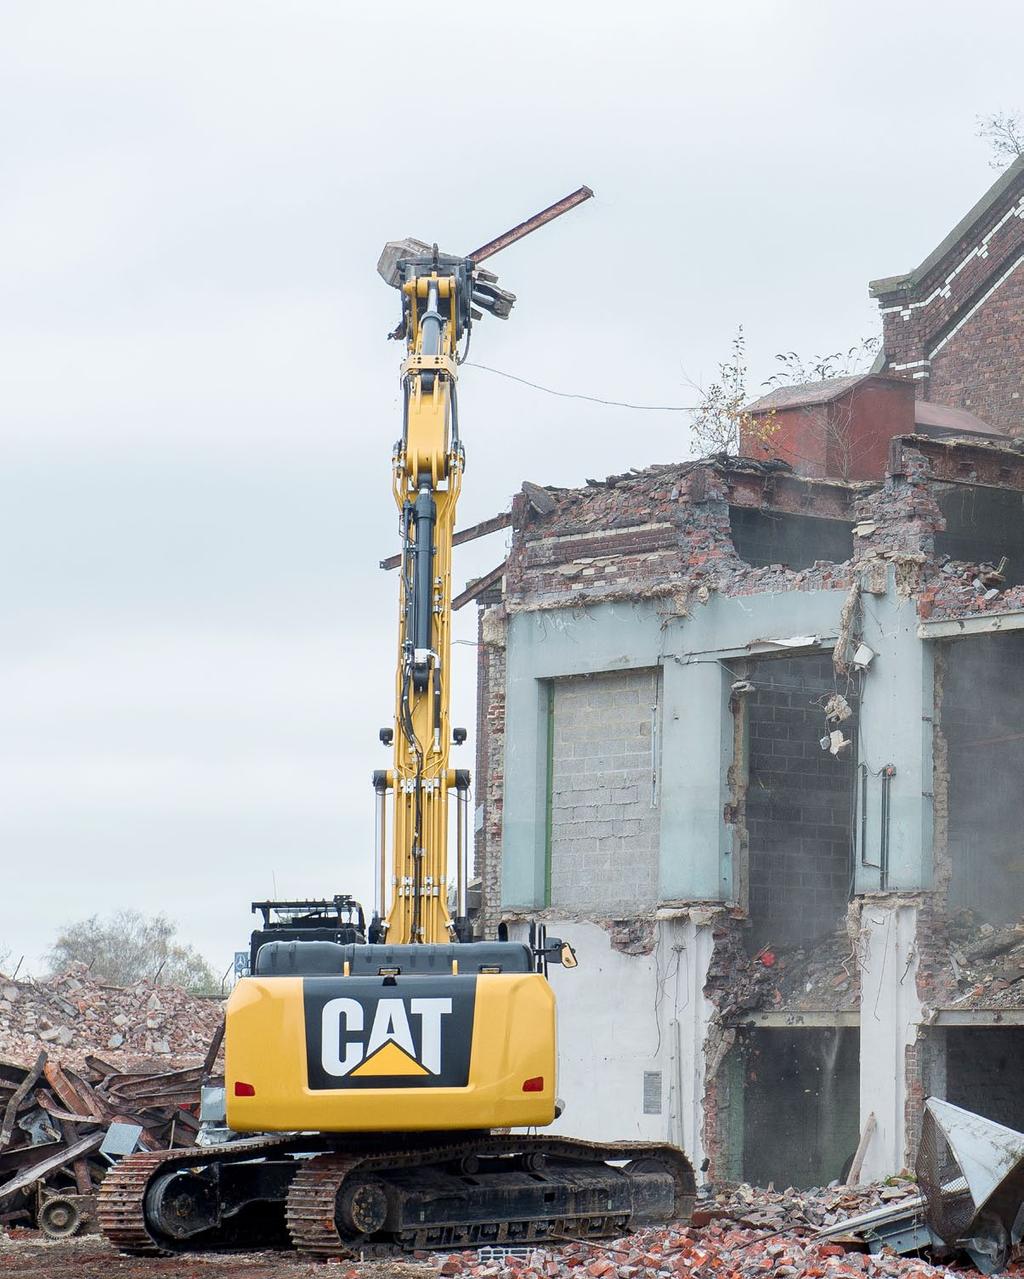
(427,477)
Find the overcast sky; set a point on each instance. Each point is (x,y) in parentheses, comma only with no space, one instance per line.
(198,402)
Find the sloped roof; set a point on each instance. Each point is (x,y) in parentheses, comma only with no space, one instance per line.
(806,393)
(941,417)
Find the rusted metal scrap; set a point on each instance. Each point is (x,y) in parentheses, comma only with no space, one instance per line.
(54,1119)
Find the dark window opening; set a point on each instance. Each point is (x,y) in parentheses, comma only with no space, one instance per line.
(982,526)
(982,720)
(801,1105)
(984,1072)
(797,541)
(799,802)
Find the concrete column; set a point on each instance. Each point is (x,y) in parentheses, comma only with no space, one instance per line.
(896,728)
(889,1017)
(697,739)
(688,942)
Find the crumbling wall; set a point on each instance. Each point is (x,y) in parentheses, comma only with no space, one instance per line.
(603,791)
(665,533)
(490,774)
(671,535)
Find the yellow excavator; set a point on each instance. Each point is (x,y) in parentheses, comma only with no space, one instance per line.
(382,1090)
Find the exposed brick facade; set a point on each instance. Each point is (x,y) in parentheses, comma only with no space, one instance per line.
(490,747)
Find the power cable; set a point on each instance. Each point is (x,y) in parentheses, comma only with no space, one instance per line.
(594,399)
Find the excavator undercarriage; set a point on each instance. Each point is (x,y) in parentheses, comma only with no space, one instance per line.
(386,1193)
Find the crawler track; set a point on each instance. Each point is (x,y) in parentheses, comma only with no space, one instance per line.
(351,1168)
(121,1202)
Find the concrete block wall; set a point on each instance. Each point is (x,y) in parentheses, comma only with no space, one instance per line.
(799,803)
(604,815)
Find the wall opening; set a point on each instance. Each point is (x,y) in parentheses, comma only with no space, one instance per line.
(982,722)
(801,1104)
(798,803)
(982,525)
(983,1071)
(602,813)
(763,537)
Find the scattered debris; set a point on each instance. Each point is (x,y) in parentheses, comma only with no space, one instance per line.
(58,1121)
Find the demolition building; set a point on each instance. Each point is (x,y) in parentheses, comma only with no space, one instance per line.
(751,735)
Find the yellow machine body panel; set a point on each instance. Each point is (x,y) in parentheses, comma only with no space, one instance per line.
(362,1054)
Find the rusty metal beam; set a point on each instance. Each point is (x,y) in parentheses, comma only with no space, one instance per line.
(66,1155)
(531,224)
(492,525)
(479,586)
(18,1096)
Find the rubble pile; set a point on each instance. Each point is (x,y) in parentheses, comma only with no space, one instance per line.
(816,977)
(143,1025)
(791,1209)
(720,1250)
(54,1119)
(984,964)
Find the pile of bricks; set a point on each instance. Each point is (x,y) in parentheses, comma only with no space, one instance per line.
(720,1250)
(143,1025)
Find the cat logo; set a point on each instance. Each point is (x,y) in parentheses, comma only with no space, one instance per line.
(389,1049)
(413,1033)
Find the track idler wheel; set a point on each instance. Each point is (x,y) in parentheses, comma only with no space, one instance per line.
(362,1206)
(182,1204)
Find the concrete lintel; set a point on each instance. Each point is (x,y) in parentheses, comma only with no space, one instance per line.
(756,648)
(977,1017)
(980,624)
(780,1020)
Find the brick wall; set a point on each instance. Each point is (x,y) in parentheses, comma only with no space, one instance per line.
(489,776)
(798,804)
(604,830)
(980,368)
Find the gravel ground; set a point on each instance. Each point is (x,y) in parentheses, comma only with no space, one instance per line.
(28,1255)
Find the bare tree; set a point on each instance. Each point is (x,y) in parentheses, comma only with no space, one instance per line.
(128,947)
(1004,132)
(719,418)
(819,368)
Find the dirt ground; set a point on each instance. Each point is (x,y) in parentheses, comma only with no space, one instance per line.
(28,1255)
